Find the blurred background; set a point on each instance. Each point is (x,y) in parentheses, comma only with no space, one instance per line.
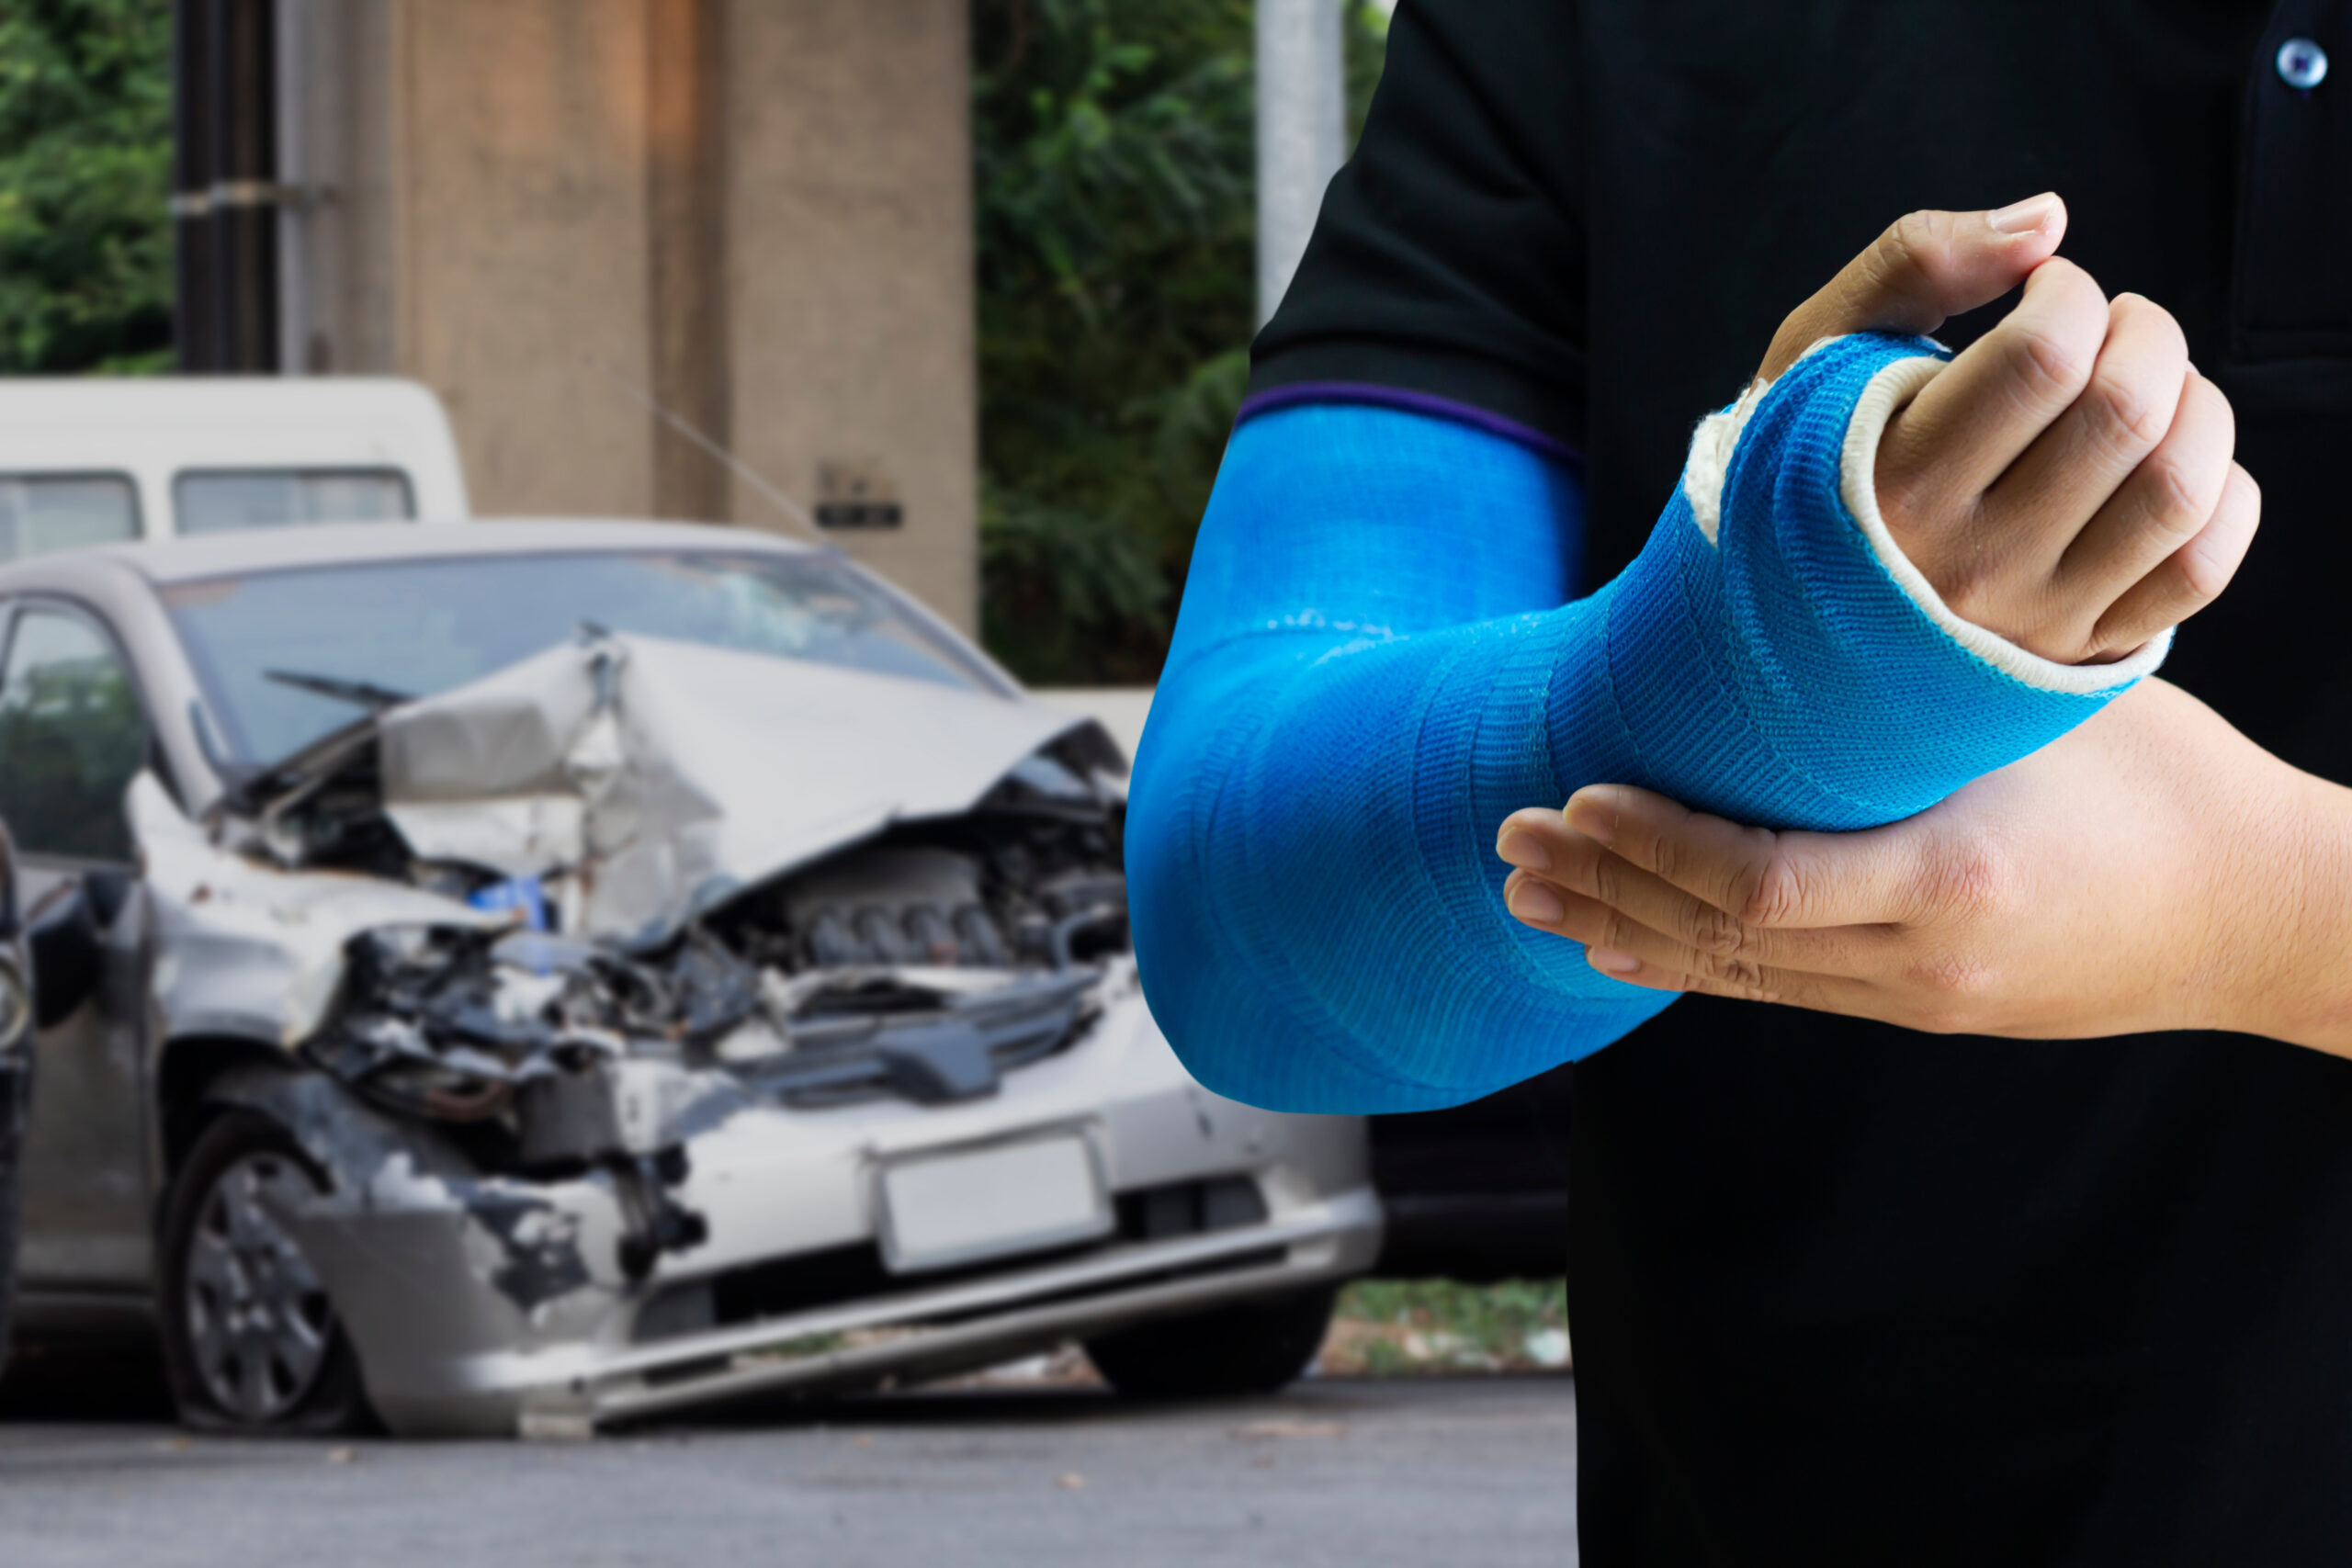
(989,266)
(972,280)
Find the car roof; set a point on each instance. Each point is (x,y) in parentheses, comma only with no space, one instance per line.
(42,403)
(339,544)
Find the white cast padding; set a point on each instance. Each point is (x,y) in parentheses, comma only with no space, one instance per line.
(1885,393)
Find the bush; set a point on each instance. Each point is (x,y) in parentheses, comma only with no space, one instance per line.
(86,156)
(1113,142)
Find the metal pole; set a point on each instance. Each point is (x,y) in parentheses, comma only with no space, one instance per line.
(192,314)
(291,68)
(1301,132)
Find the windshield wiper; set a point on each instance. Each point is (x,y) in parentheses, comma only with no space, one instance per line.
(364,693)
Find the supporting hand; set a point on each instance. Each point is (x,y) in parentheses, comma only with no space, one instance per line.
(2153,869)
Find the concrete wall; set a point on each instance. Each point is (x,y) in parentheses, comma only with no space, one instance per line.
(758,211)
(851,261)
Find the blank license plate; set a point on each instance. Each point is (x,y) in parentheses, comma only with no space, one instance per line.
(1024,1197)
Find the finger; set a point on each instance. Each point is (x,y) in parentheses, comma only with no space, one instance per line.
(2165,503)
(1924,267)
(2070,470)
(1820,993)
(1580,869)
(2192,576)
(1951,443)
(1761,878)
(1618,946)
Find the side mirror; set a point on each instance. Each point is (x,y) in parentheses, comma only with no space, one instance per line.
(66,954)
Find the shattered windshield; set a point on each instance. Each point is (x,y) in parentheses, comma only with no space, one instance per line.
(422,626)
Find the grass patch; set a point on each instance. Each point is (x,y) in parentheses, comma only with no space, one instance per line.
(1388,1328)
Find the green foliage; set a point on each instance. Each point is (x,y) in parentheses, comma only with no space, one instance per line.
(1386,1328)
(86,151)
(1113,142)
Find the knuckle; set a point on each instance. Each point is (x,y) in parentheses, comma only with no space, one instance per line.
(1770,891)
(1667,860)
(2204,571)
(1601,878)
(1972,880)
(2130,410)
(2053,369)
(1713,931)
(1951,995)
(2187,490)
(1913,242)
(1733,971)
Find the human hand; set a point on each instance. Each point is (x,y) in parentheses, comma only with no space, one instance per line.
(2067,482)
(2153,869)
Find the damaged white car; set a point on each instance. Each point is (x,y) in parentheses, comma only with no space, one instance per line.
(540,975)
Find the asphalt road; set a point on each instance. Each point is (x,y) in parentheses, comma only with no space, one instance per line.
(1352,1473)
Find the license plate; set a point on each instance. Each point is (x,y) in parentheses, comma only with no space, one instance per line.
(962,1208)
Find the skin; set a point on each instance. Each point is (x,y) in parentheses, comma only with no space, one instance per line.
(2067,483)
(2152,869)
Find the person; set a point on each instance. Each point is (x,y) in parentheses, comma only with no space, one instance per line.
(1842,1293)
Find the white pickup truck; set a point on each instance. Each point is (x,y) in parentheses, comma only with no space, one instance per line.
(94,461)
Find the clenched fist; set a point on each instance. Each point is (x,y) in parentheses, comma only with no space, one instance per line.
(2067,482)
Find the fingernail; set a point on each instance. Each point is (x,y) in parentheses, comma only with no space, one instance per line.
(1536,904)
(1610,961)
(1525,851)
(1595,819)
(2024,217)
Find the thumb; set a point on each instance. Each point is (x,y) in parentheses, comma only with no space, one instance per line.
(1926,266)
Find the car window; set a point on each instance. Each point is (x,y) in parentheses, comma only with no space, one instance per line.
(39,513)
(70,738)
(220,501)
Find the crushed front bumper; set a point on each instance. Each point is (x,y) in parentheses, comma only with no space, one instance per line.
(488,1304)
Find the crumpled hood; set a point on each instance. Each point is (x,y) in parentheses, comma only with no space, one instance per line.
(681,774)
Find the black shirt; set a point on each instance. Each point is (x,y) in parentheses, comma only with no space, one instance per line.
(1842,1293)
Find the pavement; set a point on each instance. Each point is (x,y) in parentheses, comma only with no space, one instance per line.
(1351,1472)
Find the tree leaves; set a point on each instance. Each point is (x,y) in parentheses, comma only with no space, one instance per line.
(86,152)
(1114,142)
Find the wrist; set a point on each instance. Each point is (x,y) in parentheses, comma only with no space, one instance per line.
(2299,863)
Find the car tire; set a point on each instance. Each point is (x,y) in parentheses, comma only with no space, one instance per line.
(1249,1347)
(252,1342)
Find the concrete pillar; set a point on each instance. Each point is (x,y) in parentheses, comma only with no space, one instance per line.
(1301,132)
(758,213)
(850,239)
(687,106)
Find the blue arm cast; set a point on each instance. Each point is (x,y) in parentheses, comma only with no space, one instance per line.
(1376,662)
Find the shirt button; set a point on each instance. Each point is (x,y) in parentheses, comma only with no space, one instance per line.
(2302,65)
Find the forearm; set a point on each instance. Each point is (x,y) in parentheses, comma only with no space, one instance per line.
(1336,705)
(2281,880)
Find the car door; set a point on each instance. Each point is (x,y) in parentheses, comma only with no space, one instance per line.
(72,735)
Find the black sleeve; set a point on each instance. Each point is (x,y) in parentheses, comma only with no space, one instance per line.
(1449,257)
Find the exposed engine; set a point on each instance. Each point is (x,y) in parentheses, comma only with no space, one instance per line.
(618,925)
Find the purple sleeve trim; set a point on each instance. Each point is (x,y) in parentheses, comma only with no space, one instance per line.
(1291,395)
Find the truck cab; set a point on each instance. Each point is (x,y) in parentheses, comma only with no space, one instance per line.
(99,460)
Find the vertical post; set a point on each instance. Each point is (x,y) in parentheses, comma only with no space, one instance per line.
(245,191)
(685,212)
(191,186)
(1301,132)
(291,74)
(225,115)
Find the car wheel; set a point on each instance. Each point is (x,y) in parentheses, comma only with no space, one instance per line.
(1251,1348)
(251,1339)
